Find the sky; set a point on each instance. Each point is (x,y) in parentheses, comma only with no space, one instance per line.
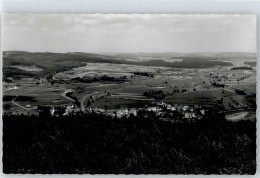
(129,33)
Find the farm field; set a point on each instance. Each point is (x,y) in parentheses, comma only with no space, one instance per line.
(206,97)
(112,85)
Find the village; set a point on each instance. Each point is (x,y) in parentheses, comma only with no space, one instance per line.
(163,111)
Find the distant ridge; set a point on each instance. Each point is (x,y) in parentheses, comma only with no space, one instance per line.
(50,60)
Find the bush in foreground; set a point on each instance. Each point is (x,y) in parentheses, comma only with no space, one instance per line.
(95,144)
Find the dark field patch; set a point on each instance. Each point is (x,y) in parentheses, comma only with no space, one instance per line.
(26,98)
(7,106)
(199,97)
(8,97)
(242,68)
(116,103)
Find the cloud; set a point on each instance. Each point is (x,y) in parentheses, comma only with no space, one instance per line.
(130,32)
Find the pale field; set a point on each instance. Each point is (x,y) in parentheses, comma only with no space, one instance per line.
(113,70)
(241,116)
(28,68)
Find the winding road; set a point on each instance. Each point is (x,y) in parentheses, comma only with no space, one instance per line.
(19,104)
(13,100)
(83,100)
(65,96)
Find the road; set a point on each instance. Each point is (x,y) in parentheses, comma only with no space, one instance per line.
(13,101)
(19,104)
(68,98)
(83,100)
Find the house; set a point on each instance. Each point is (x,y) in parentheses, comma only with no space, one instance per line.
(28,106)
(173,108)
(35,107)
(169,107)
(119,114)
(68,109)
(151,109)
(110,113)
(185,108)
(133,111)
(188,115)
(126,112)
(202,111)
(101,110)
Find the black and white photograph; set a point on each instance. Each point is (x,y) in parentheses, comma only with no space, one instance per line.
(129,93)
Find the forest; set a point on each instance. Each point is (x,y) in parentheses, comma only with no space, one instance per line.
(143,144)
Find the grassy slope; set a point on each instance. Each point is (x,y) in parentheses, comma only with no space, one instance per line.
(51,62)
